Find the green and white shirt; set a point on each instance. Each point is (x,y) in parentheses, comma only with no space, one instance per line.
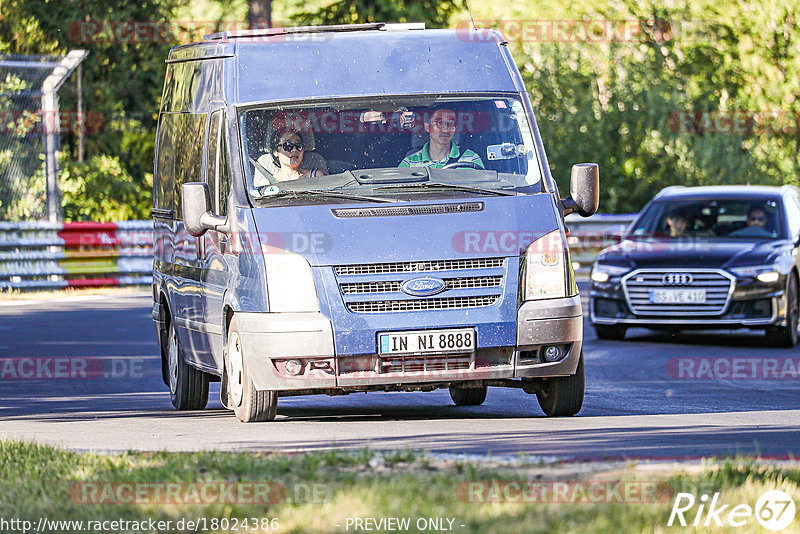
(422,158)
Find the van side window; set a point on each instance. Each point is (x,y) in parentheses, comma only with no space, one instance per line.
(180,157)
(224,184)
(218,174)
(189,131)
(217,167)
(212,158)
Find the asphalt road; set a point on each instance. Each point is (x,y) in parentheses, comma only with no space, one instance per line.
(649,396)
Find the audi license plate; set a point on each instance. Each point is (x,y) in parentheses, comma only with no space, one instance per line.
(427,341)
(678,296)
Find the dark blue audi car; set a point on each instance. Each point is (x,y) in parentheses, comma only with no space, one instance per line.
(704,258)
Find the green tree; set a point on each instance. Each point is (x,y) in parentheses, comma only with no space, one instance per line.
(435,13)
(619,102)
(123,75)
(101,190)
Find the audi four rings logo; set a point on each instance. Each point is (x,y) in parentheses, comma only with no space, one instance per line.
(677,279)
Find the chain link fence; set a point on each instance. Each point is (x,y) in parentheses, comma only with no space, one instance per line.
(30,133)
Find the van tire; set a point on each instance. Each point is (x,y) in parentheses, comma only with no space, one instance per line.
(188,387)
(248,403)
(468,396)
(563,396)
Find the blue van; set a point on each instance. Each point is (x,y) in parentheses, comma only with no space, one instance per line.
(360,208)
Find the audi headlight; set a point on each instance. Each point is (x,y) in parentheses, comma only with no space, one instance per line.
(601,273)
(290,283)
(545,270)
(763,273)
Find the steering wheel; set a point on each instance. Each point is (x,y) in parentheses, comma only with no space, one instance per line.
(463,165)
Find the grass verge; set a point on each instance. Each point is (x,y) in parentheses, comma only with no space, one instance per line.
(327,491)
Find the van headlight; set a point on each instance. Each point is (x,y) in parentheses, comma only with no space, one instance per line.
(290,282)
(545,270)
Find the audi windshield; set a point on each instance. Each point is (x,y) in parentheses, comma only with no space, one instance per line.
(711,219)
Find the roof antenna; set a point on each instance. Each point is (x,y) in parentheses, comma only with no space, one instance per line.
(470,16)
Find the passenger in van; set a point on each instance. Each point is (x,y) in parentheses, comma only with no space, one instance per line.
(286,157)
(441,150)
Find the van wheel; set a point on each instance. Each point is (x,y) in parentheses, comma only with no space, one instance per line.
(468,396)
(188,387)
(563,396)
(615,332)
(786,336)
(248,403)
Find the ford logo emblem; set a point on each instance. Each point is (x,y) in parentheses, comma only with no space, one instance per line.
(677,279)
(423,287)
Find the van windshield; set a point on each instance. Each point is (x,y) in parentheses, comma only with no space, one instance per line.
(393,148)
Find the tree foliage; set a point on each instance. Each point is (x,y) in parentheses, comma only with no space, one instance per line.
(621,103)
(123,75)
(102,190)
(435,13)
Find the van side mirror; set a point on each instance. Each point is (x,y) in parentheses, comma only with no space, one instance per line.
(196,210)
(584,190)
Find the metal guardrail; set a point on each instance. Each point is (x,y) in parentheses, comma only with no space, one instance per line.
(41,255)
(588,236)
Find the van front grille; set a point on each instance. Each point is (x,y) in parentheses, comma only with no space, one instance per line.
(456,284)
(361,288)
(394,306)
(419,266)
(418,364)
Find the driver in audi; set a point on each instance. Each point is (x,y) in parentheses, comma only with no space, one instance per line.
(441,150)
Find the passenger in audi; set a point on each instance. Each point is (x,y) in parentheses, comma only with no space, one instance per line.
(757,223)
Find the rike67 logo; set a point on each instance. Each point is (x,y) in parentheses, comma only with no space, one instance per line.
(774,510)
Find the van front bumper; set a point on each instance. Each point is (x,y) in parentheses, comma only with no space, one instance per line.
(269,340)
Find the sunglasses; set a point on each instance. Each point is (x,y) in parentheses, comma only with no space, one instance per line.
(288,146)
(445,125)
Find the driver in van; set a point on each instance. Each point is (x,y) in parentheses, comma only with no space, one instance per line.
(441,150)
(286,149)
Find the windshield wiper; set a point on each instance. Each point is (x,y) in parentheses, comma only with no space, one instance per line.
(297,193)
(442,185)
